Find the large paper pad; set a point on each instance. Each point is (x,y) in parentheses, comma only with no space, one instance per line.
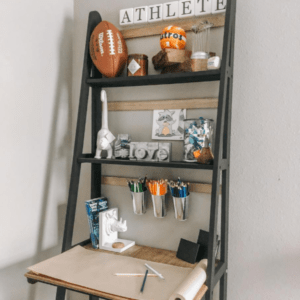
(188,289)
(95,270)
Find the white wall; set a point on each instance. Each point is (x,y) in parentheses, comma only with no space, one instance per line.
(35,87)
(265,208)
(264,194)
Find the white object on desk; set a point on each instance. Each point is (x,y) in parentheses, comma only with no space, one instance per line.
(189,288)
(154,271)
(109,226)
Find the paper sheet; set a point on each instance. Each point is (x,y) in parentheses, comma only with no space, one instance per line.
(95,270)
(192,284)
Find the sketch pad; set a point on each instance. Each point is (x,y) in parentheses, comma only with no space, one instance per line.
(95,270)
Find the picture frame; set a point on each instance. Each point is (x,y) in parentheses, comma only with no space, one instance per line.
(168,124)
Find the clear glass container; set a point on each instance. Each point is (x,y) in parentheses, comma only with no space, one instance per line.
(200,50)
(201,39)
(196,131)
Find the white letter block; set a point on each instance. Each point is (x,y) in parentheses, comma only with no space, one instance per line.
(171,10)
(203,7)
(155,13)
(126,16)
(140,14)
(186,8)
(218,6)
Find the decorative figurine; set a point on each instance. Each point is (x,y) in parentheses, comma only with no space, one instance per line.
(109,228)
(104,137)
(173,37)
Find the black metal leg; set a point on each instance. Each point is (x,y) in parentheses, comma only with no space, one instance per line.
(209,295)
(96,125)
(61,293)
(223,287)
(94,298)
(94,19)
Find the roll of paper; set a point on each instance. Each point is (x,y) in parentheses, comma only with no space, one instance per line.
(192,284)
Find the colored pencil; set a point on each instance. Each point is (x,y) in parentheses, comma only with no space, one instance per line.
(144,281)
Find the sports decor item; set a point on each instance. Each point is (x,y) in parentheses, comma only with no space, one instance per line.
(173,37)
(108,49)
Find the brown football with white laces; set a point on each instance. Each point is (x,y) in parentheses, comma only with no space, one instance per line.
(108,49)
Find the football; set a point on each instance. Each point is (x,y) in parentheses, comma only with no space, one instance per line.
(108,49)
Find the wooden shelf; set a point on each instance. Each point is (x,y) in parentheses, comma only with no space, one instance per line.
(157,28)
(88,158)
(195,187)
(140,252)
(211,75)
(198,103)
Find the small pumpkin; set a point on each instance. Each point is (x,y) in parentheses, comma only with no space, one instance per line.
(173,37)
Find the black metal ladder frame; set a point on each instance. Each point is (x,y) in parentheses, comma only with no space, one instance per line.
(221,162)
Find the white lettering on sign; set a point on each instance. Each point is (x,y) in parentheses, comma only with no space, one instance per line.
(186,8)
(203,7)
(155,13)
(218,6)
(171,10)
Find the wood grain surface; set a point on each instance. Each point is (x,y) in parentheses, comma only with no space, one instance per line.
(195,187)
(157,28)
(201,103)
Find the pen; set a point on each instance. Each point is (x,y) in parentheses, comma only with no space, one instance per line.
(154,271)
(144,281)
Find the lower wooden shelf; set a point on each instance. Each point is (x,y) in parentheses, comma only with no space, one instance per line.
(140,252)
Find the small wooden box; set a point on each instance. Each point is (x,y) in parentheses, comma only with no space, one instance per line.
(170,57)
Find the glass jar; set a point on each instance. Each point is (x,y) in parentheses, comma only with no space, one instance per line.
(195,133)
(137,65)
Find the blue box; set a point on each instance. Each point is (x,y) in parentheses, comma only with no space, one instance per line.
(93,208)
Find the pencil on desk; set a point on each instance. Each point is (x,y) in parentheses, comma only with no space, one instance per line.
(144,281)
(154,271)
(134,274)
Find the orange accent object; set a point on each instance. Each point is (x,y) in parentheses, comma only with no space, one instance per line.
(157,187)
(197,153)
(173,37)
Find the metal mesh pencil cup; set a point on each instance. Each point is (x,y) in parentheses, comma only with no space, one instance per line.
(181,207)
(139,202)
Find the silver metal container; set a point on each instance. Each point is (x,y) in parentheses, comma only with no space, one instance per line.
(139,203)
(181,206)
(159,206)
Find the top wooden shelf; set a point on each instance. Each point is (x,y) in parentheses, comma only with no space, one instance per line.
(211,75)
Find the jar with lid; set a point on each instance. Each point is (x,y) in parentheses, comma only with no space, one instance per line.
(196,131)
(137,65)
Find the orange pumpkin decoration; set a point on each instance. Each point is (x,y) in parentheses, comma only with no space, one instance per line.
(173,37)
